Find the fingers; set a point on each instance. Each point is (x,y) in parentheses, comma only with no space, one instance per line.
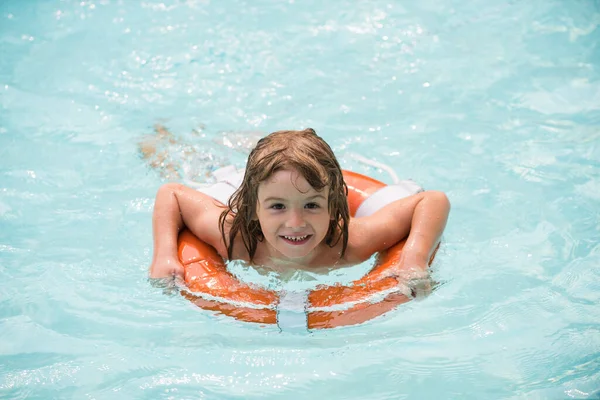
(419,288)
(168,269)
(179,281)
(418,281)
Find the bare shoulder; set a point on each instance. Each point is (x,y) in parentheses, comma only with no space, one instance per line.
(360,244)
(427,211)
(383,229)
(240,252)
(200,214)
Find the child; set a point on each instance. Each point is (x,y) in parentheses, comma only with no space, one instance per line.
(291,212)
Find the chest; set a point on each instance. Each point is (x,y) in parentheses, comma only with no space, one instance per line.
(323,257)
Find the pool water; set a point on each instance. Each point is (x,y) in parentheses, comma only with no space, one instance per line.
(497,103)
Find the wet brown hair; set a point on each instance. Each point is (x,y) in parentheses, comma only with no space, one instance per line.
(312,157)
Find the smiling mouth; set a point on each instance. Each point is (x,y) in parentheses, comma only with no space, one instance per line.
(296,239)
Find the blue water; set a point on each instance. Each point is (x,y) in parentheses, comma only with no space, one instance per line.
(497,103)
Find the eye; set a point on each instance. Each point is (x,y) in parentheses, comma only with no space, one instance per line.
(312,206)
(277,206)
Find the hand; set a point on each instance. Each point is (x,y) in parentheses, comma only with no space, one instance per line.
(413,270)
(166,268)
(420,284)
(416,277)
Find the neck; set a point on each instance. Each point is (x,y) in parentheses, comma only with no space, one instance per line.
(274,257)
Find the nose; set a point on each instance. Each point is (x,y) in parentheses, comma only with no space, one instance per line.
(295,220)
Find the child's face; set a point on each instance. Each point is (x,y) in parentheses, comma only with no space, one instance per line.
(293,216)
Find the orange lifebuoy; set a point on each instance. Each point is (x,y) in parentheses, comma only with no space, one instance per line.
(328,307)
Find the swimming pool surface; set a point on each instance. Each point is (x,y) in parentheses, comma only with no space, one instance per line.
(497,103)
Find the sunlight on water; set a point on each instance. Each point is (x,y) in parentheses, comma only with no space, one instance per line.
(496,103)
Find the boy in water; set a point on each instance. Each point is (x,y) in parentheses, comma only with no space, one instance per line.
(291,211)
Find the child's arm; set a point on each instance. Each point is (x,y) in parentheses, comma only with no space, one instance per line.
(177,206)
(422,217)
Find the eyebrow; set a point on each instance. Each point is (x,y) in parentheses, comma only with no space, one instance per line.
(280,199)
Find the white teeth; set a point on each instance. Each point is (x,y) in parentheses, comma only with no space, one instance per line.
(296,238)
